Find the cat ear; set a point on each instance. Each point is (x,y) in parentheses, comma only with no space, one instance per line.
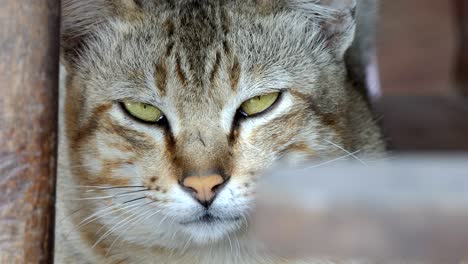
(79,18)
(336,19)
(82,17)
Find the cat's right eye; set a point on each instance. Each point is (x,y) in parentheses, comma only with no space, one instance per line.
(142,111)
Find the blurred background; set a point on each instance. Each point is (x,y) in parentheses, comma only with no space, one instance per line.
(423,108)
(422,62)
(423,67)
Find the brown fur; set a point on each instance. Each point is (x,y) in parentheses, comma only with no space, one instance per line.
(197,61)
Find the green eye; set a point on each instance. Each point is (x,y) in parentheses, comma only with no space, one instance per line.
(259,104)
(142,111)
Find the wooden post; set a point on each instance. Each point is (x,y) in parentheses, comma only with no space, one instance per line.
(462,56)
(29,50)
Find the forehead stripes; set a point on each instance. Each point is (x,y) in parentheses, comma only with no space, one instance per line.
(160,75)
(197,31)
(215,69)
(234,74)
(160,70)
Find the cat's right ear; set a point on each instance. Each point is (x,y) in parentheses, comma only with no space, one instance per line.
(79,19)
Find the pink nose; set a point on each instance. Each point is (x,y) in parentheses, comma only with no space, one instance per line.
(204,187)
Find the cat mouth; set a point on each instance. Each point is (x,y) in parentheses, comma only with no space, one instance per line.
(210,219)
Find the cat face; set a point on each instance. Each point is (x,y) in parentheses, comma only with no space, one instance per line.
(174,110)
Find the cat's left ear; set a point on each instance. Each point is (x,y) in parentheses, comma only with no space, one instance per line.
(339,30)
(336,20)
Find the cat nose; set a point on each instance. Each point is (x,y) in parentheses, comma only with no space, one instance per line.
(204,188)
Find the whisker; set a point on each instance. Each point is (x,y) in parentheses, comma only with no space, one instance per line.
(112,188)
(162,220)
(69,215)
(123,231)
(130,210)
(346,151)
(130,192)
(334,160)
(119,224)
(100,187)
(96,215)
(230,243)
(138,219)
(85,165)
(157,211)
(238,247)
(151,215)
(109,196)
(185,248)
(244,219)
(133,200)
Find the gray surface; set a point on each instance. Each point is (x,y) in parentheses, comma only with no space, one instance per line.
(409,208)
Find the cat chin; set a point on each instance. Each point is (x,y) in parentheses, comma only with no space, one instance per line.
(209,233)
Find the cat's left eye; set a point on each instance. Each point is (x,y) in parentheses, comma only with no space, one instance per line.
(143,112)
(259,104)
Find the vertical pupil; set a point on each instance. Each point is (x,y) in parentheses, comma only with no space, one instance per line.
(144,106)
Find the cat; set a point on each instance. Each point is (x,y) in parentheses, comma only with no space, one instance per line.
(173,110)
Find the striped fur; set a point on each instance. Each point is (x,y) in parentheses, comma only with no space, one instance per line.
(119,195)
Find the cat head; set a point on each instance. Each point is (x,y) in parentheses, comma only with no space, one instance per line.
(175,108)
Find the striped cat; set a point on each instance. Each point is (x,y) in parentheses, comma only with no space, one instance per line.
(173,109)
